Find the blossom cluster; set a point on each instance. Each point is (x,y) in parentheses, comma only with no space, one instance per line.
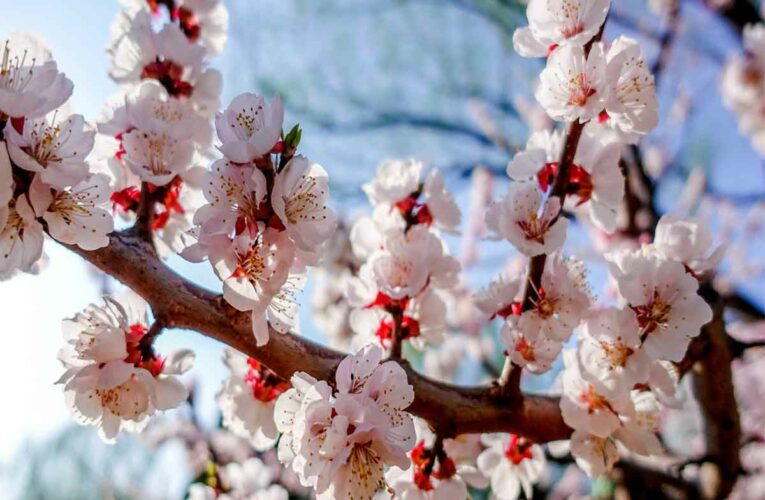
(622,368)
(743,85)
(247,400)
(405,262)
(46,183)
(113,377)
(156,135)
(340,441)
(620,371)
(266,215)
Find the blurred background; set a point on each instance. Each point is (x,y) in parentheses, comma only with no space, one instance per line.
(367,80)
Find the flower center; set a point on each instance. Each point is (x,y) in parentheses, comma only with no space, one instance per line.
(265,384)
(579,90)
(616,353)
(304,201)
(525,349)
(518,450)
(535,228)
(654,314)
(594,401)
(169,75)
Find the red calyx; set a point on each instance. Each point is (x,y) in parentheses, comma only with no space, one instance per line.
(603,116)
(414,212)
(419,454)
(169,74)
(422,480)
(518,450)
(446,469)
(126,200)
(137,331)
(169,204)
(546,175)
(265,384)
(424,216)
(189,23)
(410,328)
(512,309)
(580,183)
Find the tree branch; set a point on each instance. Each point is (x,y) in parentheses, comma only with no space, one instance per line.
(713,385)
(449,409)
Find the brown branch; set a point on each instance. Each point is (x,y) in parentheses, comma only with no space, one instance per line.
(146,344)
(449,409)
(508,384)
(713,386)
(398,319)
(642,481)
(145,213)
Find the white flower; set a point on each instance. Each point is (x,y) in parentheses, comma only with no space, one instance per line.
(531,350)
(247,400)
(234,194)
(148,106)
(688,241)
(572,86)
(423,322)
(139,53)
(594,177)
(561,302)
(55,150)
(559,22)
(584,408)
(512,463)
(663,381)
(21,237)
(610,353)
(299,200)
(664,299)
(517,219)
(440,202)
(407,484)
(395,180)
(30,83)
(157,157)
(111,380)
(501,297)
(638,431)
(631,107)
(594,455)
(596,180)
(252,480)
(367,233)
(280,310)
(399,275)
(205,22)
(539,159)
(249,127)
(76,215)
(252,271)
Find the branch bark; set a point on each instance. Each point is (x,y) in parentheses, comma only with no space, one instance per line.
(713,385)
(449,409)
